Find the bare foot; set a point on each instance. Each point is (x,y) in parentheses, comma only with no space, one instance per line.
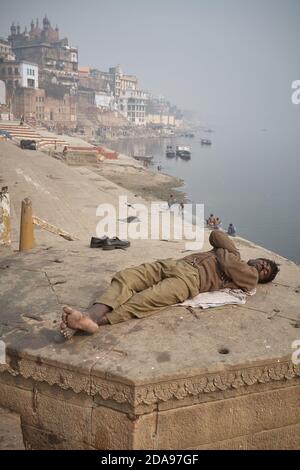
(73,320)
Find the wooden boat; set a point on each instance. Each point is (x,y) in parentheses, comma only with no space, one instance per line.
(183,151)
(185,156)
(170,152)
(140,158)
(190,135)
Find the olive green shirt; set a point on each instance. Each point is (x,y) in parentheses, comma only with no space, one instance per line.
(222,267)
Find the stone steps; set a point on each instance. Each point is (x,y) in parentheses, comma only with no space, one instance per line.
(64,196)
(28,133)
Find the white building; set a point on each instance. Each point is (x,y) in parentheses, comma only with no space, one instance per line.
(19,74)
(104,101)
(6,50)
(2,92)
(121,82)
(132,105)
(29,75)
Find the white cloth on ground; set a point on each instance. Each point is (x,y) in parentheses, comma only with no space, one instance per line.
(218,298)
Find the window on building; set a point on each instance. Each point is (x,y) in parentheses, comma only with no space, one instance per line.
(16,71)
(9,71)
(30,83)
(16,83)
(3,71)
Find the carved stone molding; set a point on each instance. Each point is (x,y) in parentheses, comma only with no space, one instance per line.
(118,392)
(150,394)
(41,372)
(231,380)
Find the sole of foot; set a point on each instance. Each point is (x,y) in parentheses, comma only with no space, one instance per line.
(73,321)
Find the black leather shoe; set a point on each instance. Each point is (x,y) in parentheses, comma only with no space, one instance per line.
(98,242)
(115,243)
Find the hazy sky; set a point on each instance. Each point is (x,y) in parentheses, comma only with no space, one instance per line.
(226,59)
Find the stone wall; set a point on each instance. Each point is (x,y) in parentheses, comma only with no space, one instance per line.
(29,103)
(73,412)
(56,109)
(60,109)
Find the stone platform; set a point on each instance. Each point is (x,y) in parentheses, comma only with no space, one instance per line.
(180,379)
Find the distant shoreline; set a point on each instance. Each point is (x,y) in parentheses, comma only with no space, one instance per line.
(142,181)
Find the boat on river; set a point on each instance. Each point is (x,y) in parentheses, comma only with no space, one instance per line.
(170,152)
(183,151)
(147,159)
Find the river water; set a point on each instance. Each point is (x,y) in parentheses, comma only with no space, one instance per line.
(249,178)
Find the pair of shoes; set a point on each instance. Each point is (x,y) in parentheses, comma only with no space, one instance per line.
(98,242)
(115,243)
(109,243)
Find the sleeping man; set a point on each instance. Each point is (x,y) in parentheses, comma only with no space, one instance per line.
(143,290)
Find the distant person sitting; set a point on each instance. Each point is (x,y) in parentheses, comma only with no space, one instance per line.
(171,201)
(211,221)
(218,223)
(231,230)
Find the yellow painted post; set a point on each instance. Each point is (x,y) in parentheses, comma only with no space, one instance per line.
(5,239)
(26,227)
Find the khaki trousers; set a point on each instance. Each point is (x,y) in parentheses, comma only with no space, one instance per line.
(143,290)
